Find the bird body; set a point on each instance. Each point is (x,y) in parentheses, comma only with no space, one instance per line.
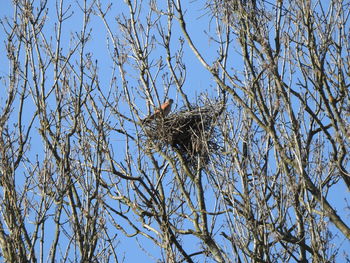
(165,108)
(163,111)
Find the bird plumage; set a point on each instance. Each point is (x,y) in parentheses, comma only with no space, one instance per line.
(163,110)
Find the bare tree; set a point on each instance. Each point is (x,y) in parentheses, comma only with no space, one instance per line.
(252,168)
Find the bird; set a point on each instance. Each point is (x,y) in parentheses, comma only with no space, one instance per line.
(163,111)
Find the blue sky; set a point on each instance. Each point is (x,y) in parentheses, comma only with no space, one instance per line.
(198,80)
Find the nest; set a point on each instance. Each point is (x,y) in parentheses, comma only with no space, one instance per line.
(191,132)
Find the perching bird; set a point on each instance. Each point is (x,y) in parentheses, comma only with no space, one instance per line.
(164,110)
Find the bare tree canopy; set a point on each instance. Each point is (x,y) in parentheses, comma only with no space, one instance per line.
(175,131)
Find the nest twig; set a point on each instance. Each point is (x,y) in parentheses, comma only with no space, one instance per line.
(189,131)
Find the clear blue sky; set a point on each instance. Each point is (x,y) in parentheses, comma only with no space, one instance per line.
(197,80)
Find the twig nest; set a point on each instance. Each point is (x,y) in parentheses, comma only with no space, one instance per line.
(189,131)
